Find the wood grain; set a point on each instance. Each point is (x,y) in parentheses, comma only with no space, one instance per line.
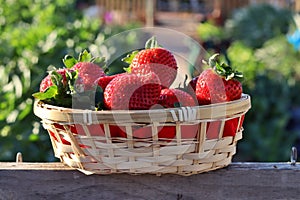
(237,181)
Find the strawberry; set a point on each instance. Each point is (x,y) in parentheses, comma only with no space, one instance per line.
(88,74)
(232,125)
(170,98)
(64,141)
(187,132)
(166,132)
(103,81)
(218,84)
(212,129)
(75,85)
(88,71)
(132,92)
(154,59)
(94,130)
(98,130)
(47,82)
(230,128)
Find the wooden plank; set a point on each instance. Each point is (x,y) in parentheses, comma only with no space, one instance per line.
(28,166)
(237,181)
(233,166)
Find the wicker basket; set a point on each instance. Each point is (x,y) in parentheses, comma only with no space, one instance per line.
(182,141)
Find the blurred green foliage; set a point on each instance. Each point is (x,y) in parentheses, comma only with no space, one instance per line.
(260,49)
(266,137)
(34,35)
(255,24)
(208,31)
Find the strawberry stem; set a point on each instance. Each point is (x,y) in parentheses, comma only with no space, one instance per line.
(223,69)
(151,43)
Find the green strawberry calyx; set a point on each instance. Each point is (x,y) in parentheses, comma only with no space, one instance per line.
(223,69)
(152,43)
(128,60)
(60,93)
(69,61)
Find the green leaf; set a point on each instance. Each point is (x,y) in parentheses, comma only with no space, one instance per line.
(69,61)
(48,94)
(220,69)
(127,69)
(71,78)
(56,78)
(85,56)
(128,59)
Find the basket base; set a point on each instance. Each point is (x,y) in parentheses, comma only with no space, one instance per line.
(217,154)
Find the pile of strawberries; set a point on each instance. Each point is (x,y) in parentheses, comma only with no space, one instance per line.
(144,85)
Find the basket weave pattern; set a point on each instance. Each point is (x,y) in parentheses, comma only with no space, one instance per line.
(85,139)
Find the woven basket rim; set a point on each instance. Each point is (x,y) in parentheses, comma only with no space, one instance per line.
(201,112)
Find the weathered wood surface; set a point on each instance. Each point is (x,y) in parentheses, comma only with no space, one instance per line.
(237,181)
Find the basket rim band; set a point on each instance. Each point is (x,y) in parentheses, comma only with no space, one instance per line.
(183,114)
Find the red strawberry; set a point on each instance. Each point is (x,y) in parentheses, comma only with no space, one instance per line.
(98,130)
(164,132)
(155,59)
(94,130)
(233,125)
(142,132)
(212,130)
(187,132)
(52,134)
(104,80)
(230,128)
(220,84)
(167,132)
(88,74)
(117,131)
(170,98)
(47,82)
(61,136)
(132,92)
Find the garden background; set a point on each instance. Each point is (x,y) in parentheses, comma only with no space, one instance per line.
(261,40)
